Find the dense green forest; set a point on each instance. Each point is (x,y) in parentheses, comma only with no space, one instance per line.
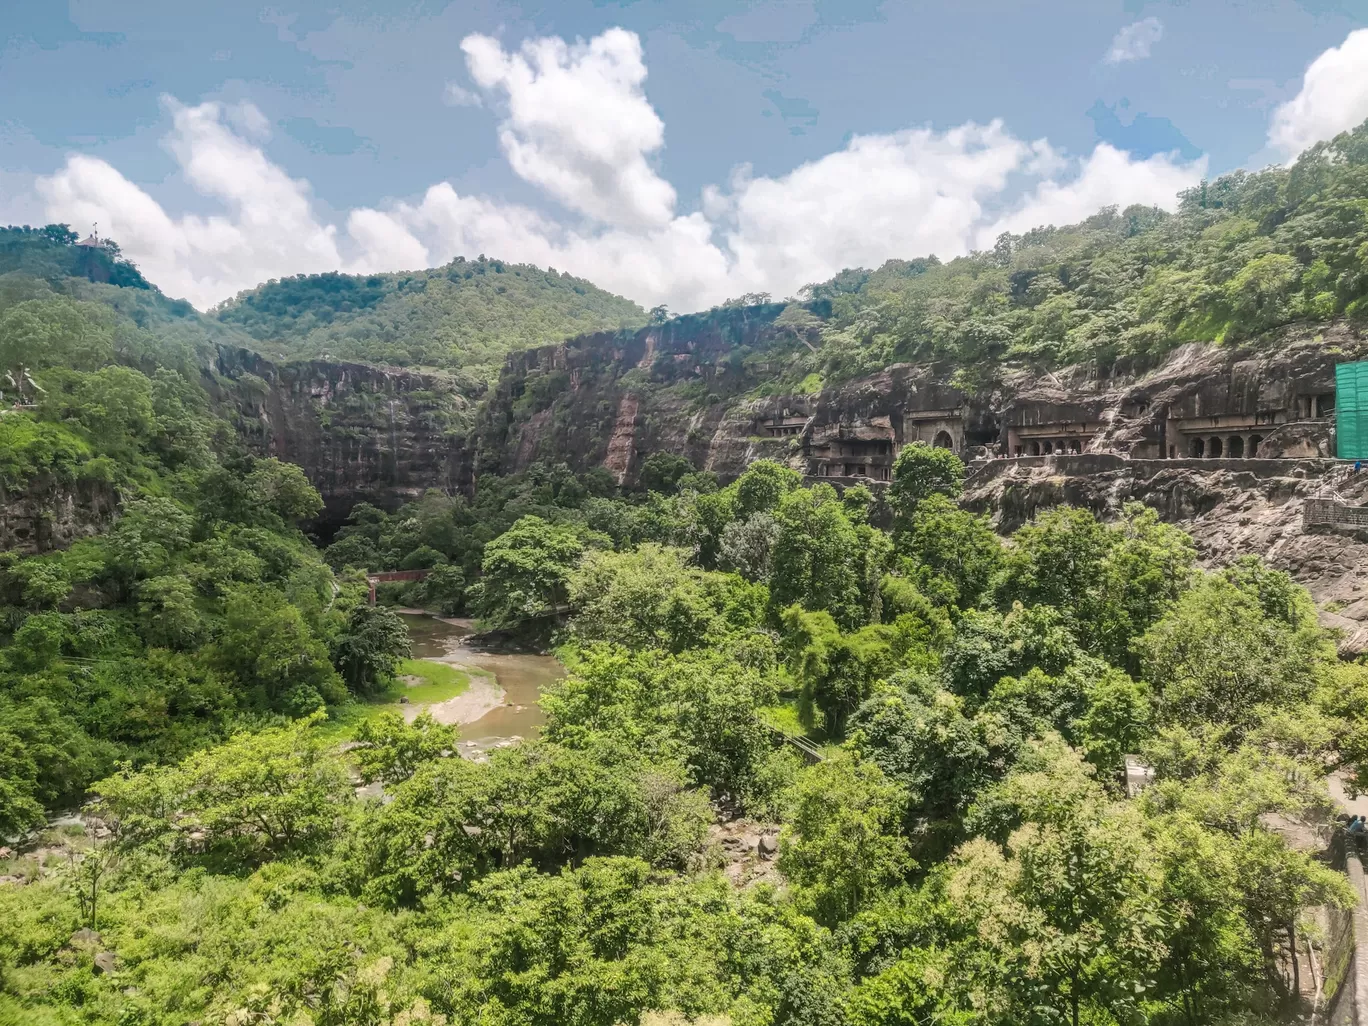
(464,316)
(964,853)
(206,815)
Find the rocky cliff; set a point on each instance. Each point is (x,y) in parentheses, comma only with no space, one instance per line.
(610,399)
(1230,507)
(50,512)
(697,386)
(1226,441)
(361,433)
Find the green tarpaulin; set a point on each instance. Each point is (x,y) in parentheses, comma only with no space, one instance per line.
(1351,411)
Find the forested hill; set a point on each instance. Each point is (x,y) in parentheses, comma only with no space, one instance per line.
(1243,254)
(56,294)
(464,316)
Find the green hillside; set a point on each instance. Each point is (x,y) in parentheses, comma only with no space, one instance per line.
(1243,254)
(464,316)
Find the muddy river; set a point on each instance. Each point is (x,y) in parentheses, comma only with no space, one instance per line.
(520,678)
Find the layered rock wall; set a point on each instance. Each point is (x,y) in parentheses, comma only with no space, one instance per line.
(359,432)
(50,512)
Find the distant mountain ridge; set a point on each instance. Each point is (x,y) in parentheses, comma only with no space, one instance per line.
(465,316)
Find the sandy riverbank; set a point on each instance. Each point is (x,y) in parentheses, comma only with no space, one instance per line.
(482,696)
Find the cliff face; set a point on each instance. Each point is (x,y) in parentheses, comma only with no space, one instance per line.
(610,399)
(1225,441)
(360,433)
(1230,507)
(50,513)
(689,387)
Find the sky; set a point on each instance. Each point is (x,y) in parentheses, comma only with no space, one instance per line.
(672,151)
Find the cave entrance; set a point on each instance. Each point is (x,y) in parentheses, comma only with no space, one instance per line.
(1235,447)
(1214,448)
(1197,448)
(1254,441)
(943,440)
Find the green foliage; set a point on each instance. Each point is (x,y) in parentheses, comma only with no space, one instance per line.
(526,571)
(367,649)
(464,316)
(250,799)
(921,471)
(842,846)
(1244,254)
(962,851)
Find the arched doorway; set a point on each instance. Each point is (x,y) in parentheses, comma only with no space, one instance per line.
(943,440)
(1197,448)
(1049,447)
(1214,448)
(1075,445)
(1035,448)
(1254,441)
(1235,447)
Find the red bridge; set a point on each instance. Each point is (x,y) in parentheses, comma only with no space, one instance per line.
(393,575)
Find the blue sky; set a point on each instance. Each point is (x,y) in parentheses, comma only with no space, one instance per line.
(224,144)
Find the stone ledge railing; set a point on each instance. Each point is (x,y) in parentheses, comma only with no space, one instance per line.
(1344,990)
(1330,512)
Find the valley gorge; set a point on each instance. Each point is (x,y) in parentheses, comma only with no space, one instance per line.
(1261,415)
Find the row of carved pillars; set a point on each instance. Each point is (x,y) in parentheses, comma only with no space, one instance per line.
(1231,447)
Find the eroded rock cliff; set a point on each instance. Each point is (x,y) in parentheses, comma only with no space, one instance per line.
(359,432)
(50,512)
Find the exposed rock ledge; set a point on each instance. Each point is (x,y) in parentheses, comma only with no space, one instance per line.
(1230,507)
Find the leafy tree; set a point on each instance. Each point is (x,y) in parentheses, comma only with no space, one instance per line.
(662,472)
(818,560)
(269,648)
(1069,906)
(1217,655)
(526,571)
(953,554)
(761,488)
(167,611)
(747,546)
(367,650)
(253,798)
(284,490)
(391,750)
(842,845)
(921,471)
(1056,560)
(48,332)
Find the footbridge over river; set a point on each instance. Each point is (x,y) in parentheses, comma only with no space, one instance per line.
(393,575)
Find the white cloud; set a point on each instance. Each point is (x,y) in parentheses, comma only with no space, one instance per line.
(1134,42)
(578,125)
(907,193)
(457,95)
(1333,98)
(1109,176)
(269,228)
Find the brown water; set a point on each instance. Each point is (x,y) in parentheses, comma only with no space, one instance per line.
(522,677)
